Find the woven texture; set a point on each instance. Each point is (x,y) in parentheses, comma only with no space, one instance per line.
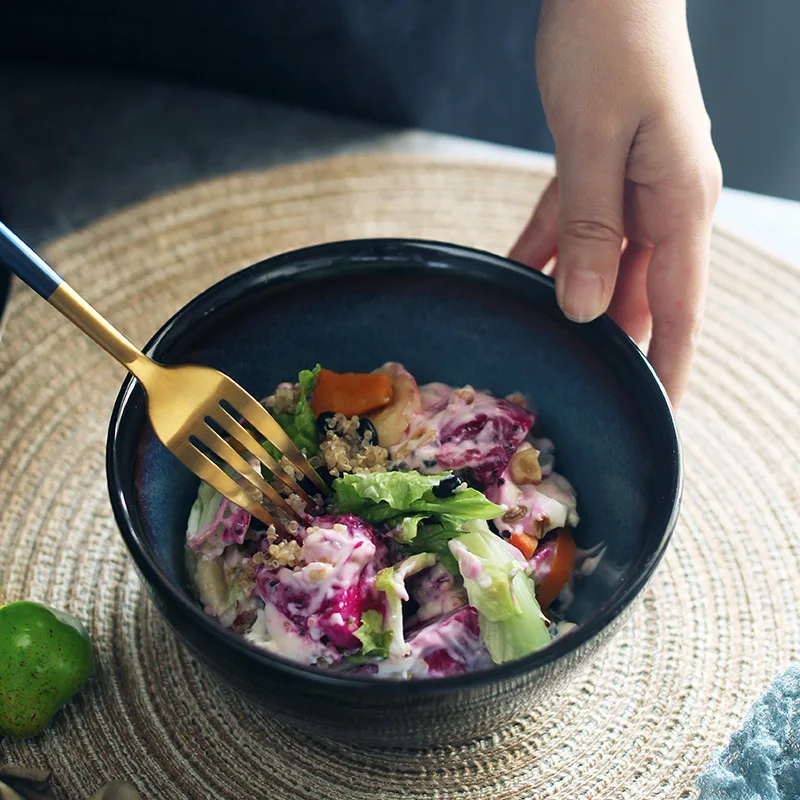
(717,623)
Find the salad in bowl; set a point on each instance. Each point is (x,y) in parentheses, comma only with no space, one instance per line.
(444,546)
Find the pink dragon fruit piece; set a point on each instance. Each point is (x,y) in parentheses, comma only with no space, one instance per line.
(326,596)
(464,429)
(451,645)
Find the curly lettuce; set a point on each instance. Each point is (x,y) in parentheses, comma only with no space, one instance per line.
(392,496)
(301,425)
(375,639)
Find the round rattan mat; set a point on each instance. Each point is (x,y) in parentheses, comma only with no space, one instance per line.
(718,621)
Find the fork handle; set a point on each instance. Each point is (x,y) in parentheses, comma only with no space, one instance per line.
(45,281)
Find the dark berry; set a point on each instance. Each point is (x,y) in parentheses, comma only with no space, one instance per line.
(366,427)
(251,546)
(447,487)
(470,478)
(307,485)
(326,421)
(310,487)
(326,476)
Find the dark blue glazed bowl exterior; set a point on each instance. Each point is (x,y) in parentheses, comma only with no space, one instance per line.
(5,293)
(449,314)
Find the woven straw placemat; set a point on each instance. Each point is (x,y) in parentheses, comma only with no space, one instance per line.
(717,623)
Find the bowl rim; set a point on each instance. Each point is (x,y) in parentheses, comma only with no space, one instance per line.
(424,255)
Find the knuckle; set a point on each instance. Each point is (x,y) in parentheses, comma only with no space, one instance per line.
(591,230)
(702,166)
(702,181)
(690,163)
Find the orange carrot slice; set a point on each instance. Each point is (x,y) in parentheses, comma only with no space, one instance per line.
(350,393)
(525,543)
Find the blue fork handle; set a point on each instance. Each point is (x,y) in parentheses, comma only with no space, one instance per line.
(44,280)
(27,265)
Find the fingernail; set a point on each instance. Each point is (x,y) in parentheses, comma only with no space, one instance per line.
(582,295)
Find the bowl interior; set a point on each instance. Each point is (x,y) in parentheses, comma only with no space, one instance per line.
(449,314)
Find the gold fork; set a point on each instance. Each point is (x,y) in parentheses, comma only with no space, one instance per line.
(186,404)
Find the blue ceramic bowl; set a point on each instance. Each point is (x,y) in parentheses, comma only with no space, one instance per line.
(449,314)
(5,292)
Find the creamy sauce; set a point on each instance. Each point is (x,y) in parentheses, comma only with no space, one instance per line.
(273,632)
(541,508)
(463,429)
(323,599)
(453,644)
(334,558)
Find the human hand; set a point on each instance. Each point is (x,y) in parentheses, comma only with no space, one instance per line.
(629,215)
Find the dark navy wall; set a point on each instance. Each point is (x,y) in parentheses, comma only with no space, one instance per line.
(461,66)
(457,66)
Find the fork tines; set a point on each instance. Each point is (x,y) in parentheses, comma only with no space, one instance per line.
(251,490)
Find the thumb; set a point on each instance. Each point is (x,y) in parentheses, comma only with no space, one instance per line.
(591,186)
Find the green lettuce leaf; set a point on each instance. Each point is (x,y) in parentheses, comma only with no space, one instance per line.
(467,504)
(435,538)
(392,581)
(374,639)
(304,434)
(521,633)
(389,496)
(204,508)
(300,426)
(488,565)
(382,494)
(499,588)
(405,500)
(407,528)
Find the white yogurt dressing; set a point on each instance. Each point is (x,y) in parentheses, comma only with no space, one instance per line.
(543,507)
(334,558)
(273,632)
(450,634)
(443,406)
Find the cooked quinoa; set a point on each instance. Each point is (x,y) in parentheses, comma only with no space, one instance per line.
(346,448)
(280,554)
(284,401)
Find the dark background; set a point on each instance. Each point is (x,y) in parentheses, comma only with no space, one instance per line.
(460,66)
(455,66)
